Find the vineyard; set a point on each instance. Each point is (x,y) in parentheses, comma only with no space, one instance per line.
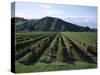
(47,51)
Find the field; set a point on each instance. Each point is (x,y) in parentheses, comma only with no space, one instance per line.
(52,51)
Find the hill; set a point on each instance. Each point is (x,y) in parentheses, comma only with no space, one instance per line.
(46,24)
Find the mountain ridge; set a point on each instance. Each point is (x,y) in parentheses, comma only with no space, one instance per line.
(47,24)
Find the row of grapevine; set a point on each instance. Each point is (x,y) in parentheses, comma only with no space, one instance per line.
(71,50)
(84,39)
(50,47)
(50,54)
(27,36)
(37,50)
(83,53)
(27,43)
(24,48)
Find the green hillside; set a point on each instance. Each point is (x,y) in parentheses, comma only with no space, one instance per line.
(46,24)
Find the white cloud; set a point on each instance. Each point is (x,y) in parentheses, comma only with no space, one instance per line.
(45,6)
(51,12)
(86,20)
(80,16)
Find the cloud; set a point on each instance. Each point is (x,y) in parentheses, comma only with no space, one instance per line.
(51,12)
(80,16)
(86,20)
(45,6)
(90,21)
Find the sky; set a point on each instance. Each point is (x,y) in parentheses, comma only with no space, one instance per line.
(80,15)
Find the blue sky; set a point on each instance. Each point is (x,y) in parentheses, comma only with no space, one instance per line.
(80,15)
